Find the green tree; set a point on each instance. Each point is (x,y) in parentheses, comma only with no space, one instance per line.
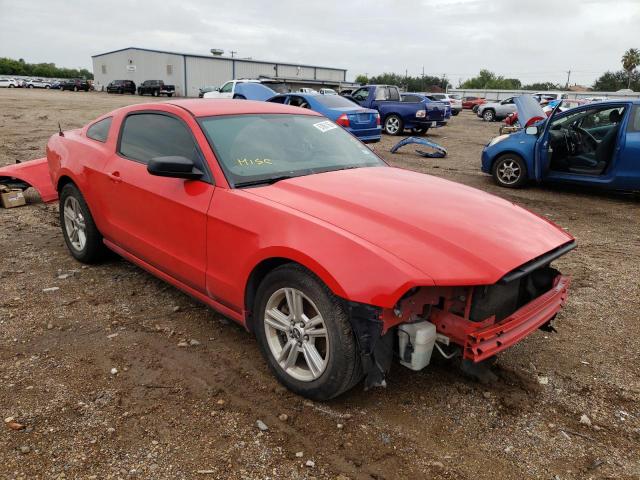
(542,86)
(9,66)
(613,81)
(362,79)
(630,60)
(489,80)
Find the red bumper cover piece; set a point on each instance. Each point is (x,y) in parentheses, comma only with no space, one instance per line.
(486,342)
(36,174)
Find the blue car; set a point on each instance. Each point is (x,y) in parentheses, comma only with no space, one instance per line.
(596,144)
(364,123)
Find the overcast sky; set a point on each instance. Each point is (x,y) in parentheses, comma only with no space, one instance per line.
(531,40)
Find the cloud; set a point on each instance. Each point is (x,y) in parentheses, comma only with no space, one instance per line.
(527,40)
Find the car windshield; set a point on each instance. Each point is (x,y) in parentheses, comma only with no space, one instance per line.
(334,101)
(264,148)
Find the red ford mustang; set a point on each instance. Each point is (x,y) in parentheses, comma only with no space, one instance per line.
(281,220)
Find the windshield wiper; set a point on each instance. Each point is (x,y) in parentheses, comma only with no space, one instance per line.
(263,181)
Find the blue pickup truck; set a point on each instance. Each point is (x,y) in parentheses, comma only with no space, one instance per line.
(398,114)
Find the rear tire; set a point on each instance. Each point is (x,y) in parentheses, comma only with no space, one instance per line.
(80,233)
(291,348)
(509,171)
(455,112)
(393,125)
(420,131)
(489,115)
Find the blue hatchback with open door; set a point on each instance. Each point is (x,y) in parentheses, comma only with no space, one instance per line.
(596,144)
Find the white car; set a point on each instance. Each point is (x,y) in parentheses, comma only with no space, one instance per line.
(307,90)
(327,91)
(9,83)
(37,83)
(454,100)
(228,90)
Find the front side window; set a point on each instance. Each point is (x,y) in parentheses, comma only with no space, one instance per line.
(100,130)
(361,95)
(259,148)
(149,135)
(227,87)
(508,101)
(411,99)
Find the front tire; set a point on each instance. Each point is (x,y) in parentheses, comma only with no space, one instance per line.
(509,171)
(420,131)
(81,235)
(304,334)
(393,125)
(488,115)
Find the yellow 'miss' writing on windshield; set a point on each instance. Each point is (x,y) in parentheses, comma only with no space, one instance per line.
(250,162)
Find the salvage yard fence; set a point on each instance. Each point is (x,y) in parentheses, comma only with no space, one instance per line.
(502,94)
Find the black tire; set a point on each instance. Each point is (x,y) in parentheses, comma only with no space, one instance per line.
(393,125)
(47,87)
(455,112)
(488,115)
(169,95)
(509,170)
(474,109)
(420,131)
(29,86)
(343,369)
(11,85)
(94,248)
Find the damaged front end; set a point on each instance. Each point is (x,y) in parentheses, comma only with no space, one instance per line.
(480,320)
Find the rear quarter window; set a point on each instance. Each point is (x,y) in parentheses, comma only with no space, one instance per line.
(100,130)
(634,123)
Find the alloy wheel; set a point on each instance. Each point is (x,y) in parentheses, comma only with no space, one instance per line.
(74,224)
(296,334)
(509,171)
(392,125)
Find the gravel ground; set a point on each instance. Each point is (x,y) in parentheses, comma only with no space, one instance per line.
(98,387)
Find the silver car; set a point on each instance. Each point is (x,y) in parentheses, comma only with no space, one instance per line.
(497,110)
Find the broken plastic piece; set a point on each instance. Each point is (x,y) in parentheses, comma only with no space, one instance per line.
(34,173)
(440,152)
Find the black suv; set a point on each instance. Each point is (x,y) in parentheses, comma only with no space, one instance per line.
(122,86)
(75,84)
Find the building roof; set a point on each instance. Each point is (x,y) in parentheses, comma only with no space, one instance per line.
(212,57)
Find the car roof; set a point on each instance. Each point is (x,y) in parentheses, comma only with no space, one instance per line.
(214,106)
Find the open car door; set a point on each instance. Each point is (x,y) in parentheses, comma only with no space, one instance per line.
(543,149)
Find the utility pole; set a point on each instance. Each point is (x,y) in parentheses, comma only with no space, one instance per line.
(406,79)
(568,77)
(233,53)
(422,81)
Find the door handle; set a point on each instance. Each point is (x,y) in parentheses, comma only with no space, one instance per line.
(115,177)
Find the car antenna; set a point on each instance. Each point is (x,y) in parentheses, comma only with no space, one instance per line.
(60,132)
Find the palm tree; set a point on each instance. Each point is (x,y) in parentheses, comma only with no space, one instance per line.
(630,60)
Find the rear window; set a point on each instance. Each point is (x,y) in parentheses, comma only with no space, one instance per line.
(334,101)
(100,130)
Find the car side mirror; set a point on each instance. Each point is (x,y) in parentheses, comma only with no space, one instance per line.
(531,130)
(175,167)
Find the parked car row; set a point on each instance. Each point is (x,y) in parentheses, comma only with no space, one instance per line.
(74,84)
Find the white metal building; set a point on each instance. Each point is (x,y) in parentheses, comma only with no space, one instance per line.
(188,72)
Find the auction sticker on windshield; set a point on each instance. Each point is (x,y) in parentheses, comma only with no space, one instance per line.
(325,126)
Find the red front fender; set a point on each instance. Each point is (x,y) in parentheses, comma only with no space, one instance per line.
(35,173)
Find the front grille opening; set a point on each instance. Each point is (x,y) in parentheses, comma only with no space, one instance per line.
(502,300)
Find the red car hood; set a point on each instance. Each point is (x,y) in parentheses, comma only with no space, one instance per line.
(455,234)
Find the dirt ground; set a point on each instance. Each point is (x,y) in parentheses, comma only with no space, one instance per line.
(174,412)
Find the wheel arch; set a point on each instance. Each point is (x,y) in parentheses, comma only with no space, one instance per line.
(270,263)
